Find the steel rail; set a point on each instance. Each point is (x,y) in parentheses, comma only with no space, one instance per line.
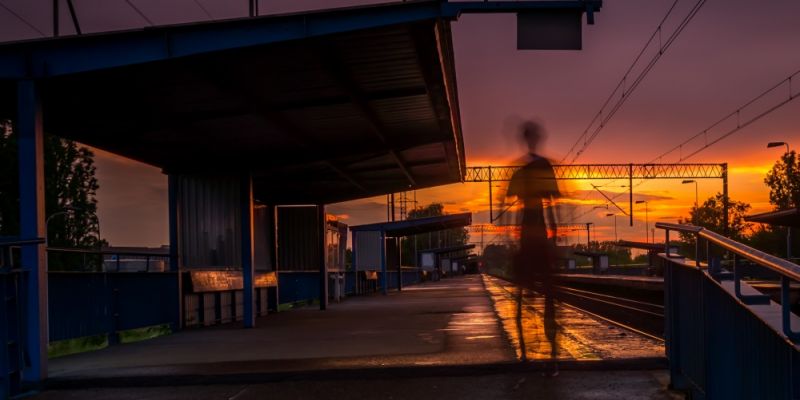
(582,310)
(613,300)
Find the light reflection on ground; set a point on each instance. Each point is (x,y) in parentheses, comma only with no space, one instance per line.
(580,337)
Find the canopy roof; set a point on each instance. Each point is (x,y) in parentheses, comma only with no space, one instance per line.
(789,217)
(417,226)
(320,107)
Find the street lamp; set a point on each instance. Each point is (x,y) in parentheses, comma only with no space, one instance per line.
(778,144)
(615,224)
(646,230)
(66,211)
(788,229)
(695,198)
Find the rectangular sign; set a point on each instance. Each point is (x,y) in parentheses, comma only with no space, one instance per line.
(549,30)
(217,281)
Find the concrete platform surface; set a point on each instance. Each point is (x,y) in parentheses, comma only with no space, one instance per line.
(449,322)
(440,340)
(597,385)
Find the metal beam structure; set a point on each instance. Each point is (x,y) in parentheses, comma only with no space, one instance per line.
(606,171)
(628,171)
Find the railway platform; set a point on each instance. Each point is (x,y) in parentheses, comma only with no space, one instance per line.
(441,339)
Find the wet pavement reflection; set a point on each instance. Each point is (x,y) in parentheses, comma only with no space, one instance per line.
(580,336)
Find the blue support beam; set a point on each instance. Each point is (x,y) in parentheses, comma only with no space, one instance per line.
(323,267)
(354,252)
(384,275)
(30,136)
(248,255)
(174,260)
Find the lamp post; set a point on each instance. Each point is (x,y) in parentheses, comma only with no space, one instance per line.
(615,224)
(778,144)
(694,217)
(788,228)
(646,230)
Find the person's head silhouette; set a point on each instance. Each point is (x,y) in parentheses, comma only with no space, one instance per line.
(533,134)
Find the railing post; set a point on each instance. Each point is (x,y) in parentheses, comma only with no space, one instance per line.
(30,141)
(786,310)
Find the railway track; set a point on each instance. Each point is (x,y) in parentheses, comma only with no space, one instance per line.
(641,317)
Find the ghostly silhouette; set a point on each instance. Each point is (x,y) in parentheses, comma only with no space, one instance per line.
(535,189)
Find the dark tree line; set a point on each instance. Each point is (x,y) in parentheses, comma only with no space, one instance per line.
(70,190)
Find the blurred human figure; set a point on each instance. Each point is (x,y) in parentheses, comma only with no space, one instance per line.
(535,189)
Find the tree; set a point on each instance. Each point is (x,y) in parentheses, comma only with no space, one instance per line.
(711,215)
(70,185)
(784,182)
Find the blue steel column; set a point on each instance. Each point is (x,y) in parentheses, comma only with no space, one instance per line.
(384,273)
(30,136)
(174,262)
(353,259)
(248,272)
(323,267)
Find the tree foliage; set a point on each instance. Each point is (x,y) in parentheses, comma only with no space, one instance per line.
(70,187)
(711,215)
(784,182)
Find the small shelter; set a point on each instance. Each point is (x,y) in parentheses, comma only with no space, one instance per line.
(370,242)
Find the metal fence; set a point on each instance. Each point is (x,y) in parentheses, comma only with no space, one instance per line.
(724,339)
(12,323)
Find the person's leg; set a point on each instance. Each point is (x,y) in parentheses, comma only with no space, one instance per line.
(520,330)
(550,325)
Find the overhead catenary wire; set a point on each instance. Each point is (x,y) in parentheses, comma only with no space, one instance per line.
(622,81)
(22,19)
(604,116)
(786,82)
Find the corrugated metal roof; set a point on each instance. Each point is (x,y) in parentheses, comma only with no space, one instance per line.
(416,226)
(317,120)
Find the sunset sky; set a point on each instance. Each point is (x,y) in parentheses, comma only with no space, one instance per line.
(730,52)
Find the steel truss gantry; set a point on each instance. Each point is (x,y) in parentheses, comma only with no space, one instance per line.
(628,171)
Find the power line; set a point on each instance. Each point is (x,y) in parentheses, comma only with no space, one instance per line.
(24,21)
(625,93)
(787,82)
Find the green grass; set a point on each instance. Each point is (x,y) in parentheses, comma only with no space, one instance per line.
(91,343)
(297,304)
(139,334)
(72,346)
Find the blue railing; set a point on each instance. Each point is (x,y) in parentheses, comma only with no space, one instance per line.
(92,297)
(12,334)
(724,339)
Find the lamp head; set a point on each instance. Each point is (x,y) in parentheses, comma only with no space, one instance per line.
(775,144)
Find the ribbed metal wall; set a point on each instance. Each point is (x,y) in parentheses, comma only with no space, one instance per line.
(368,250)
(263,232)
(297,239)
(209,234)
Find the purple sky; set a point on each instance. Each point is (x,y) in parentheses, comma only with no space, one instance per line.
(731,51)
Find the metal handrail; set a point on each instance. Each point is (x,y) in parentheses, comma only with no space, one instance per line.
(776,264)
(20,242)
(107,252)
